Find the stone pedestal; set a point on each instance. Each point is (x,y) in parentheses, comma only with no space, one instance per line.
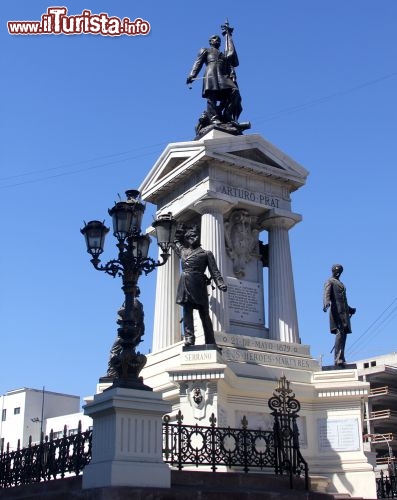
(197,376)
(127,440)
(235,188)
(238,382)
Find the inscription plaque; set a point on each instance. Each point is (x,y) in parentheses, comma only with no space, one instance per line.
(245,301)
(266,358)
(258,197)
(258,344)
(338,435)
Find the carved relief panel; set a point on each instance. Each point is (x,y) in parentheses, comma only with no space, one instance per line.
(241,235)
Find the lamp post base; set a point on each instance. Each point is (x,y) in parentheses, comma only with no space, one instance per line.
(127,439)
(125,383)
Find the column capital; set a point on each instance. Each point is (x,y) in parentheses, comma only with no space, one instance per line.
(280,218)
(212,204)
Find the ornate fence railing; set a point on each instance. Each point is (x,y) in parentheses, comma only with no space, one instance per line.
(386,486)
(285,408)
(214,447)
(49,459)
(246,449)
(210,446)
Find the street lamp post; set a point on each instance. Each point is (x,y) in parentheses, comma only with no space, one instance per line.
(132,261)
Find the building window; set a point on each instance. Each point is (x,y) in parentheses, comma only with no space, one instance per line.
(373,363)
(17,410)
(57,435)
(366,365)
(72,432)
(3,415)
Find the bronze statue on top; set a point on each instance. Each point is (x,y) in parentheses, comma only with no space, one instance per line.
(340,313)
(219,85)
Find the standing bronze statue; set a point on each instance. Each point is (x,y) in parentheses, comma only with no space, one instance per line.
(192,288)
(220,87)
(340,313)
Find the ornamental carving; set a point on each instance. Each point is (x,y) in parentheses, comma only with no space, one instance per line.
(241,236)
(198,398)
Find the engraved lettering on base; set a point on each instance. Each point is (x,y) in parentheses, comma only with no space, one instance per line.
(338,435)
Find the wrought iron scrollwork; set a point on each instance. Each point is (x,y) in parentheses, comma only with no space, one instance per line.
(283,401)
(285,408)
(217,446)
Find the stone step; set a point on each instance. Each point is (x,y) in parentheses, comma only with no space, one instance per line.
(186,485)
(233,480)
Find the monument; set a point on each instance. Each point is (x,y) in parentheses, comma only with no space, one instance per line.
(237,189)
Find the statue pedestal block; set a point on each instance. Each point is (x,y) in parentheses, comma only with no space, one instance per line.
(201,369)
(127,440)
(201,354)
(238,381)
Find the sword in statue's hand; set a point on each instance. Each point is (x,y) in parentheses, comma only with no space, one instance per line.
(226,28)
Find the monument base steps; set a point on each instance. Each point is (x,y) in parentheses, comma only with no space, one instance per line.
(192,485)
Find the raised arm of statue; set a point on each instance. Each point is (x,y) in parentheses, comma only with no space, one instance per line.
(230,50)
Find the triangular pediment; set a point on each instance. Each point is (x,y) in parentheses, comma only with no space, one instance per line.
(255,154)
(172,164)
(175,161)
(250,155)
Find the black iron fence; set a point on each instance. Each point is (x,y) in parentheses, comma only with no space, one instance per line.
(49,459)
(285,408)
(241,449)
(386,486)
(236,449)
(212,447)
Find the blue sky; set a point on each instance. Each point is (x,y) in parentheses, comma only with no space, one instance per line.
(84,117)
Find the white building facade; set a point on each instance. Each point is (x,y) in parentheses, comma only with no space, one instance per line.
(29,412)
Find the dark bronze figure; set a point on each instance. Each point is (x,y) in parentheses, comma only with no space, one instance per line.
(192,288)
(220,87)
(340,313)
(136,318)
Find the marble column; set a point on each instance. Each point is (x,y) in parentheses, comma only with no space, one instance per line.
(166,328)
(213,238)
(283,320)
